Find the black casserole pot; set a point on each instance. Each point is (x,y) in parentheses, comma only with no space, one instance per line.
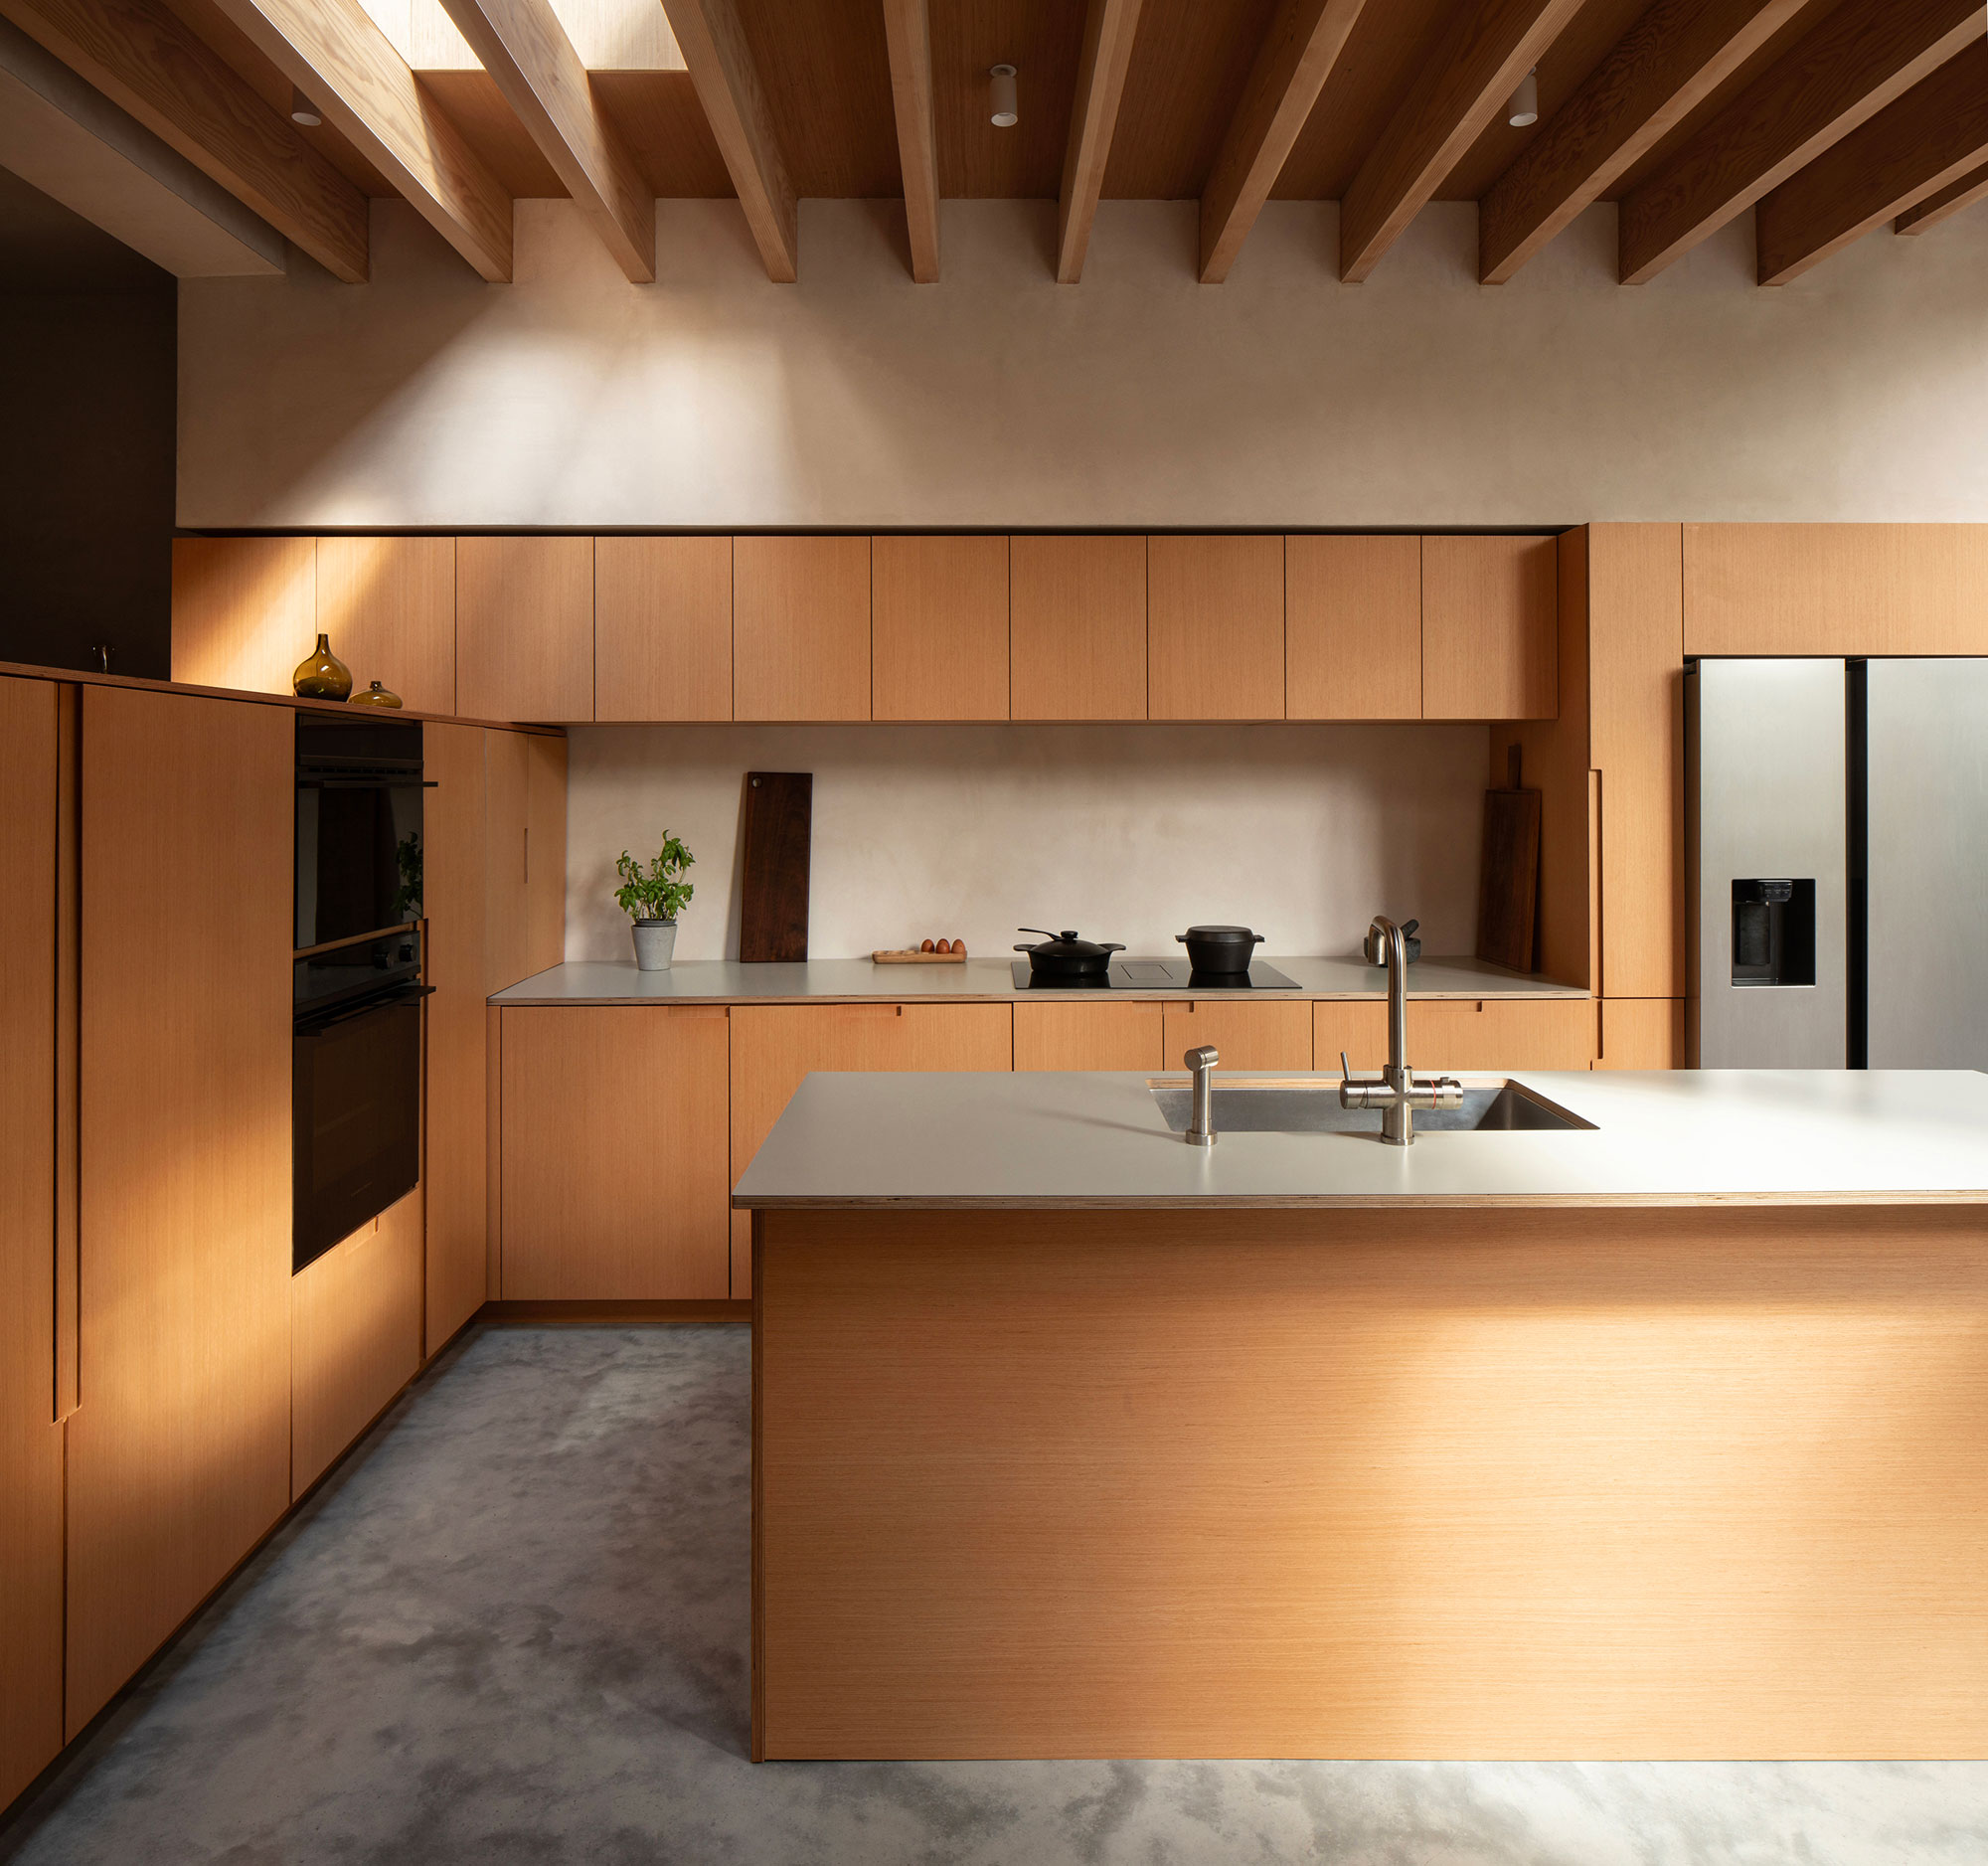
(1220,948)
(1065,956)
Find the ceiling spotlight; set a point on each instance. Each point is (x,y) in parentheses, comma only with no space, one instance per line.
(1001,97)
(303,110)
(1523,109)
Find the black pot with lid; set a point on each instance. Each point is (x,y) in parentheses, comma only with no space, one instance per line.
(1220,948)
(1065,956)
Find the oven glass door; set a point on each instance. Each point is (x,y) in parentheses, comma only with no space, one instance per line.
(359,856)
(357,1102)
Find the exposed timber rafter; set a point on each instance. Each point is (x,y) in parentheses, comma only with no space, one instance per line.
(907,33)
(1109,31)
(1298,53)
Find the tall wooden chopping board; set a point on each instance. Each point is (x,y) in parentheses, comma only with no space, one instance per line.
(1508,884)
(779,822)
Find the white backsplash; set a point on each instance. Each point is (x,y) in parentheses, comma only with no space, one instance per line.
(1124,832)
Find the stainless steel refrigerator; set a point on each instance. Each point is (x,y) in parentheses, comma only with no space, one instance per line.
(1837,832)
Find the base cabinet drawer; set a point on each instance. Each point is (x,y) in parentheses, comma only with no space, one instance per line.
(1461,1032)
(775,1046)
(1089,1036)
(613,1153)
(1247,1036)
(355,1337)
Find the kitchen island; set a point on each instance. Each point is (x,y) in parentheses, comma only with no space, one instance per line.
(1663,1432)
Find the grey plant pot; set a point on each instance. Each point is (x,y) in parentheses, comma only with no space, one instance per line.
(655,942)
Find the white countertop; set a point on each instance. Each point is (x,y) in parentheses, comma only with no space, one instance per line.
(982,980)
(1661,1137)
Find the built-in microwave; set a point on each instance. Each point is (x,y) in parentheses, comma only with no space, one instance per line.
(359,825)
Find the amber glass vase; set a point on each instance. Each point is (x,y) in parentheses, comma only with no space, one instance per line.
(321,675)
(376,695)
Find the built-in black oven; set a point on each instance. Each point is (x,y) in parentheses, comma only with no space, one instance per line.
(356,1038)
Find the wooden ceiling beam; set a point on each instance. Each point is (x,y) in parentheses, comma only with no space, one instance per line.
(712,43)
(1296,57)
(142,57)
(907,35)
(526,50)
(334,53)
(1944,202)
(1862,55)
(1109,30)
(1462,85)
(1934,135)
(1668,63)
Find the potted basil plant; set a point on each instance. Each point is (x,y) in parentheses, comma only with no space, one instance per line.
(653,896)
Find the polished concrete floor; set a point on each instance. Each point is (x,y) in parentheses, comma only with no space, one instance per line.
(514,1628)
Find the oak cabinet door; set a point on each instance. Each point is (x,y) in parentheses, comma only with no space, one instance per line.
(1490,640)
(1478,1034)
(524,628)
(939,628)
(1353,627)
(662,628)
(355,1337)
(31,1443)
(1078,627)
(453,1161)
(507,934)
(389,608)
(1214,627)
(245,610)
(1359,1027)
(615,1153)
(800,628)
(545,852)
(179,1454)
(1089,1036)
(1644,1033)
(775,1046)
(1249,1036)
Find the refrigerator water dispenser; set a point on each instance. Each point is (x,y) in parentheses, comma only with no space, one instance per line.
(1773,931)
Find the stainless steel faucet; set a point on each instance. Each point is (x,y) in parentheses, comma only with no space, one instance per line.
(1398,1092)
(1200,1126)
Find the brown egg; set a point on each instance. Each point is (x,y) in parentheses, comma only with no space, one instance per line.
(944,946)
(960,949)
(928,947)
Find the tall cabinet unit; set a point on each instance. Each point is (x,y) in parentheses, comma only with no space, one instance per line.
(31,1444)
(180,1449)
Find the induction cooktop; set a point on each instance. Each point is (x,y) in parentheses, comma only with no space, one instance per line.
(1161,976)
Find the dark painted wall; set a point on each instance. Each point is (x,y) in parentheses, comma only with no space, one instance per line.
(88,403)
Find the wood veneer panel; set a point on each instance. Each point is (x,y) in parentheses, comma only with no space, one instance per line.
(1249,1036)
(524,623)
(180,1452)
(1214,627)
(615,1181)
(245,610)
(389,607)
(355,1337)
(1459,1033)
(1079,626)
(800,628)
(31,1443)
(1089,1036)
(1644,1033)
(938,627)
(1674,1483)
(1836,589)
(1636,734)
(453,1171)
(507,918)
(662,628)
(1488,628)
(775,1046)
(545,852)
(1353,627)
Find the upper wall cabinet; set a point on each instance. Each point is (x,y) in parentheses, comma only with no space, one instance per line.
(245,610)
(389,607)
(800,628)
(662,628)
(1489,632)
(1077,635)
(1214,627)
(1353,627)
(938,628)
(523,615)
(1835,588)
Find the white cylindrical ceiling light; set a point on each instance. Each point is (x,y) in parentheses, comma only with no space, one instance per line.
(1523,109)
(1002,110)
(303,110)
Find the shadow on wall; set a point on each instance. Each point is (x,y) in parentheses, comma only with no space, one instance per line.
(1124,832)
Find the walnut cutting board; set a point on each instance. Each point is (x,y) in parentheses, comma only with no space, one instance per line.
(779,820)
(1508,886)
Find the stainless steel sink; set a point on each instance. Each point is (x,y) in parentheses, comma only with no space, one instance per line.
(1287,1107)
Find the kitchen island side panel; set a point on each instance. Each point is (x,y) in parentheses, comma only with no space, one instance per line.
(1579,1483)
